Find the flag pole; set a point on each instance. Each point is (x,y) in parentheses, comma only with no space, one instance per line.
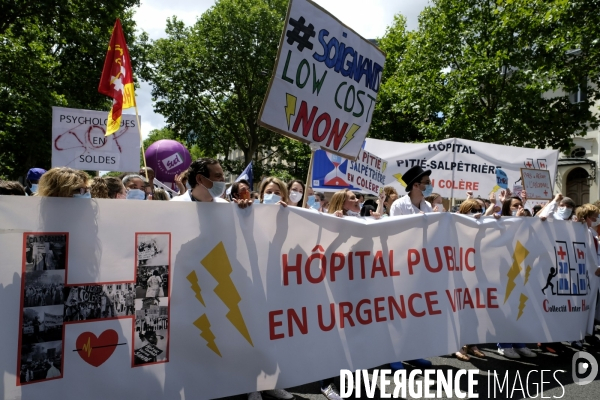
(313,147)
(137,118)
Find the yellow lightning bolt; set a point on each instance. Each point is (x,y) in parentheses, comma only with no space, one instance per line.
(518,257)
(193,278)
(495,189)
(384,166)
(203,324)
(87,347)
(399,179)
(290,107)
(522,300)
(350,134)
(217,264)
(527,272)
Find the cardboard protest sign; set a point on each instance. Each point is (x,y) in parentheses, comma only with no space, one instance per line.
(332,173)
(253,295)
(459,165)
(78,141)
(325,82)
(537,183)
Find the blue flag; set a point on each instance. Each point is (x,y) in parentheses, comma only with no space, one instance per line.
(247,175)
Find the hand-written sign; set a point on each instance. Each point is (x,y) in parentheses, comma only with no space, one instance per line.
(325,83)
(79,141)
(537,183)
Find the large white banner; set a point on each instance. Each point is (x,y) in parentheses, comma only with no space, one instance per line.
(460,165)
(325,83)
(78,141)
(175,307)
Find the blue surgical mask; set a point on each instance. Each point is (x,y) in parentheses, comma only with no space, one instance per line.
(34,187)
(86,195)
(217,189)
(428,190)
(136,194)
(310,201)
(271,198)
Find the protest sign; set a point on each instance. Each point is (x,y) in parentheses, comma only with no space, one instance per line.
(459,165)
(537,183)
(332,173)
(78,141)
(51,320)
(325,82)
(252,294)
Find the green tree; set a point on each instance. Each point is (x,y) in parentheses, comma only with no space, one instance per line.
(51,54)
(210,79)
(494,71)
(390,123)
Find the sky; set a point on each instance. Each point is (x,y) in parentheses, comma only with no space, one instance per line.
(369,18)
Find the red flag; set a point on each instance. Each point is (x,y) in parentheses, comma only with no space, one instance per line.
(117,78)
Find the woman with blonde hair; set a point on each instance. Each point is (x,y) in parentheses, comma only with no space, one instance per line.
(160,194)
(391,195)
(64,182)
(436,201)
(345,204)
(273,191)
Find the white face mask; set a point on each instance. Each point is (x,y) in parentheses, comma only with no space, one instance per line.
(514,213)
(351,213)
(563,213)
(217,189)
(271,198)
(187,185)
(596,222)
(295,196)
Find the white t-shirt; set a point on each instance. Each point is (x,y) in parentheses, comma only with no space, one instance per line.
(187,197)
(404,206)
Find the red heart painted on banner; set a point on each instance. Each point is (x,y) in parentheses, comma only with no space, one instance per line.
(96,350)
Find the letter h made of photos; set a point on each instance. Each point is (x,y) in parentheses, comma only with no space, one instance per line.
(49,303)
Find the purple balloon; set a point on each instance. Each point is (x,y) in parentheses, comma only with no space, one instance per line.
(167,158)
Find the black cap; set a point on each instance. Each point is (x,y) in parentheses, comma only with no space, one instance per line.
(414,175)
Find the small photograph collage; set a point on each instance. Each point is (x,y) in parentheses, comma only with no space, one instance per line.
(45,258)
(151,299)
(90,302)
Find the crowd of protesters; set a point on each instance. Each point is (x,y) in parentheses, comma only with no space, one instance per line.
(204,181)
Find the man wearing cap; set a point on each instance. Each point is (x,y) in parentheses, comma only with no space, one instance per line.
(418,186)
(32,180)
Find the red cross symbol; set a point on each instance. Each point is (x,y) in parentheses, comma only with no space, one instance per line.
(580,254)
(561,253)
(528,164)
